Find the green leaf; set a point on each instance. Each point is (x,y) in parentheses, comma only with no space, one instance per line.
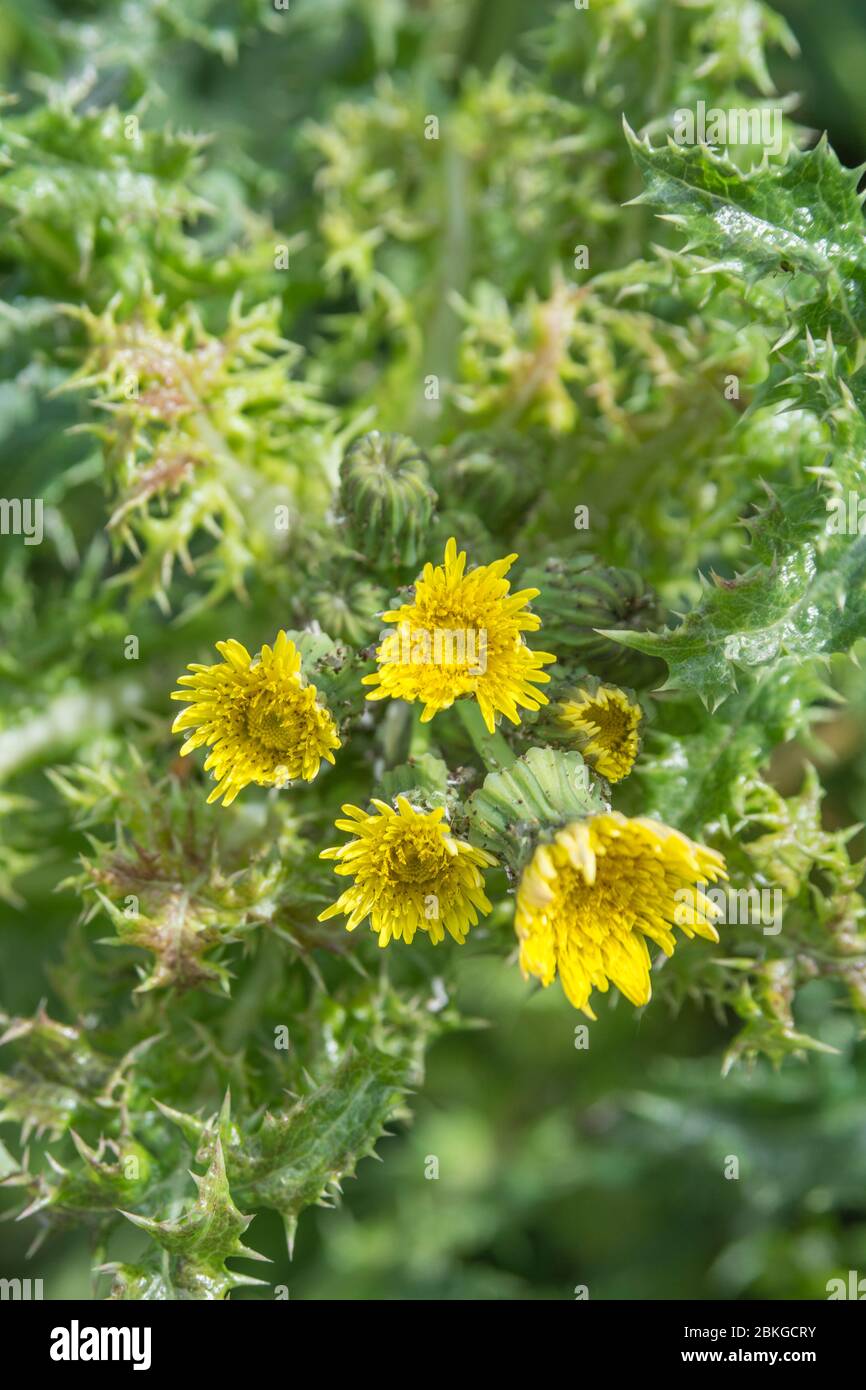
(765,1004)
(297,1157)
(58,1076)
(197,1243)
(80,186)
(802,219)
(695,769)
(805,598)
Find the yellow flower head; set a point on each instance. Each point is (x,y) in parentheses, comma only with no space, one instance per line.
(603,723)
(409,872)
(588,901)
(462,635)
(259,717)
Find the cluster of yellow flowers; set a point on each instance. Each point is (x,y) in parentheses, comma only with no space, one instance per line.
(588,900)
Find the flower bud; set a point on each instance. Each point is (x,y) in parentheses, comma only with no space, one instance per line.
(538,794)
(386,498)
(578,595)
(496,478)
(350,615)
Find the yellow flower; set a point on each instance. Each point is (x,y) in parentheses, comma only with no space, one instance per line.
(603,723)
(462,635)
(260,718)
(588,901)
(409,872)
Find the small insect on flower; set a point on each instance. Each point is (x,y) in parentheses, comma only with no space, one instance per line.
(259,716)
(410,873)
(602,722)
(463,636)
(588,901)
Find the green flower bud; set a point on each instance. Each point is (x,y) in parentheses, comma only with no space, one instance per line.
(521,804)
(492,476)
(578,595)
(386,498)
(350,615)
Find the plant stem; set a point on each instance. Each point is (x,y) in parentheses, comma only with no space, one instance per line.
(492,749)
(419,738)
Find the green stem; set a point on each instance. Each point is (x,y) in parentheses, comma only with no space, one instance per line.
(419,738)
(492,749)
(395,733)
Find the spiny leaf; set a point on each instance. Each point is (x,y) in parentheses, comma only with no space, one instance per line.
(200,1240)
(806,599)
(299,1156)
(765,1004)
(802,218)
(58,1076)
(76,177)
(696,769)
